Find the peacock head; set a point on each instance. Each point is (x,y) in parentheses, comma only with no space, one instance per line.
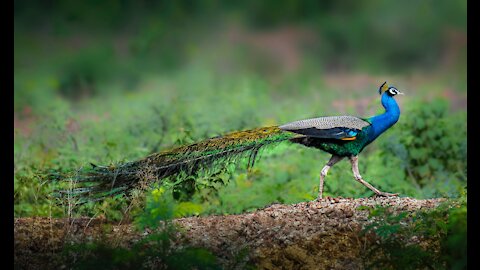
(390,90)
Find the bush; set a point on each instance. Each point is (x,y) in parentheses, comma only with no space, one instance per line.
(430,146)
(433,239)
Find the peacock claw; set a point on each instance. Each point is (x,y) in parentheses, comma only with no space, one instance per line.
(386,194)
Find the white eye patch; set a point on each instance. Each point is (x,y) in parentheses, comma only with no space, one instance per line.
(393,90)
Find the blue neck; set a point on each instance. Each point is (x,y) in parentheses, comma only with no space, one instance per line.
(382,122)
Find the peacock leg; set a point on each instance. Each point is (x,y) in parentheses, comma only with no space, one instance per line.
(333,160)
(358,177)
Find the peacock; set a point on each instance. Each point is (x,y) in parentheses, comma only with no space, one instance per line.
(341,136)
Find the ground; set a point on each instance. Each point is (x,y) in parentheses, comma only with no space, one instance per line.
(323,234)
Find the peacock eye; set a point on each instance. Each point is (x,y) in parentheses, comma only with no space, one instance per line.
(393,91)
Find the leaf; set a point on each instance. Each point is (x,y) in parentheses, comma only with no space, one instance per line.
(186,209)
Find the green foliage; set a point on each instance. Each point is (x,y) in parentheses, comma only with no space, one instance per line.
(430,146)
(160,207)
(157,75)
(434,239)
(89,48)
(81,75)
(454,245)
(31,195)
(155,249)
(131,126)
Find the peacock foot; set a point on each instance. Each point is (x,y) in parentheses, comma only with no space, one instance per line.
(320,198)
(386,194)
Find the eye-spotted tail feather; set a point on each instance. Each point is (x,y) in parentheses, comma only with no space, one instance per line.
(99,182)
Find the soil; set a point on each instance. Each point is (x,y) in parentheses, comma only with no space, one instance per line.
(323,234)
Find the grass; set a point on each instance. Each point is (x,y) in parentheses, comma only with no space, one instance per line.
(138,83)
(195,104)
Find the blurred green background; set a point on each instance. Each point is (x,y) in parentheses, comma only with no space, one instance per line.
(113,81)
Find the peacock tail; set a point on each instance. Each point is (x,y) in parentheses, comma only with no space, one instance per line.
(99,182)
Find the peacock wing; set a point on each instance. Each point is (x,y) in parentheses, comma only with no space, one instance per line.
(328,127)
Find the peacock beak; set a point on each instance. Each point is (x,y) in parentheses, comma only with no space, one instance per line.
(400,93)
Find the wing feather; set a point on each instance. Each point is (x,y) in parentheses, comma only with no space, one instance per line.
(334,127)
